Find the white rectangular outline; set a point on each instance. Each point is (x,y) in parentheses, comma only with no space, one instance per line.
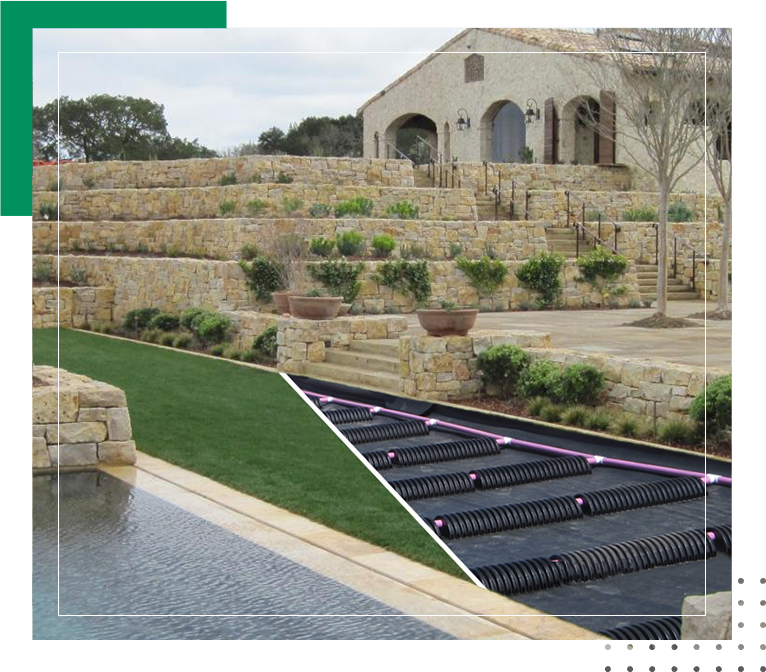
(380,478)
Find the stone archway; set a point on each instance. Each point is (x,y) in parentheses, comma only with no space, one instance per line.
(412,134)
(579,138)
(503,132)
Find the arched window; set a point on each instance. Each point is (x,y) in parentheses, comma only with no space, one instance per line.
(474,68)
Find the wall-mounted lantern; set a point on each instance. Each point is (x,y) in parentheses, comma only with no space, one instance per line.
(533,111)
(463,120)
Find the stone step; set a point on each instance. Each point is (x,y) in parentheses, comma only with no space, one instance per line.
(379,380)
(686,296)
(362,360)
(386,347)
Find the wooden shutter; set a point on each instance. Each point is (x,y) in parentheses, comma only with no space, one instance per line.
(550,133)
(606,145)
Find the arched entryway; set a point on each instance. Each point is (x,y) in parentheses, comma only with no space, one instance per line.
(578,131)
(503,132)
(415,135)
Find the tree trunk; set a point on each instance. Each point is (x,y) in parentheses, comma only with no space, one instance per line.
(662,263)
(723,270)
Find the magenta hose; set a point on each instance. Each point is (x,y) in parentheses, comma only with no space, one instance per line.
(529,445)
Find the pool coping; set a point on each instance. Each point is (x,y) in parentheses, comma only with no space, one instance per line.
(446,602)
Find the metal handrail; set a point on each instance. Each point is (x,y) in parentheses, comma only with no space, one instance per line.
(580,227)
(439,155)
(684,243)
(398,151)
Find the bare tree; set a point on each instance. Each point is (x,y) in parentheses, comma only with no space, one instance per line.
(658,77)
(718,146)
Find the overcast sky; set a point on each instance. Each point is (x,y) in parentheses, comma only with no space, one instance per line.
(228,98)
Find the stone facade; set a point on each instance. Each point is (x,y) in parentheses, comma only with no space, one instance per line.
(78,422)
(205,202)
(300,341)
(71,306)
(208,172)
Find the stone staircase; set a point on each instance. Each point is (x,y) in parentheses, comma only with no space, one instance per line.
(485,209)
(563,240)
(422,179)
(372,363)
(678,290)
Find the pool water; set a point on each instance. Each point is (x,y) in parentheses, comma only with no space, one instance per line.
(133,566)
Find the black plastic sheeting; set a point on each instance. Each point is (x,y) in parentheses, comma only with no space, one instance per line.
(622,510)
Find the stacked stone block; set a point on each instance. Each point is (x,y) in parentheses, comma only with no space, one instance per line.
(71,306)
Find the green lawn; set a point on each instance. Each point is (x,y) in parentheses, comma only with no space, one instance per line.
(245,428)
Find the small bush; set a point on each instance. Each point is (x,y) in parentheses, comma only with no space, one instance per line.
(580,384)
(167,339)
(455,250)
(526,155)
(717,399)
(403,210)
(217,350)
(48,211)
(679,212)
(640,215)
(320,210)
(266,343)
(256,207)
(340,276)
(535,406)
(408,277)
(354,207)
(89,182)
(599,421)
(165,322)
(255,178)
(541,274)
(263,276)
(43,271)
(551,413)
(227,179)
(601,268)
(182,341)
(189,316)
(150,335)
(321,246)
(677,431)
(139,318)
(252,356)
(233,353)
(291,204)
(383,245)
(576,416)
(248,252)
(282,178)
(414,251)
(503,366)
(78,277)
(627,426)
(227,207)
(540,379)
(485,275)
(349,243)
(212,328)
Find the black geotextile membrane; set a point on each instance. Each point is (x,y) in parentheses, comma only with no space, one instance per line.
(599,605)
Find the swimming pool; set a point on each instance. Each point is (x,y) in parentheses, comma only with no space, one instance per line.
(133,566)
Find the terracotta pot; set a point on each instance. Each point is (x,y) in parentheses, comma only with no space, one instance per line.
(280,300)
(315,307)
(344,308)
(440,322)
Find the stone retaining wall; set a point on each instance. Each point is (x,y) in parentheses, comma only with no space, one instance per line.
(208,172)
(80,423)
(300,341)
(205,202)
(71,306)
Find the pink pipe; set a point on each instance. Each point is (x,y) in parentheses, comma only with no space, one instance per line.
(592,459)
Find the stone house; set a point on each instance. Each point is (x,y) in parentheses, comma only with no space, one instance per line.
(490,93)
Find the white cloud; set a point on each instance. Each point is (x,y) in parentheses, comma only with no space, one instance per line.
(228,98)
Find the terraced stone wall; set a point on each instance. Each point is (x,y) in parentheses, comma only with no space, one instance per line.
(71,306)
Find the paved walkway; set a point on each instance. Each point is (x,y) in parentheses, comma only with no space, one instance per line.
(602,331)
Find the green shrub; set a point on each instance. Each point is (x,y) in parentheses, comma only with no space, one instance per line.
(233,353)
(167,338)
(485,275)
(320,210)
(526,155)
(150,335)
(182,341)
(600,268)
(600,420)
(252,356)
(679,212)
(227,207)
(43,271)
(321,246)
(677,431)
(403,210)
(255,178)
(628,426)
(165,322)
(354,207)
(266,343)
(503,366)
(540,379)
(576,416)
(263,276)
(139,318)
(535,406)
(88,183)
(340,276)
(189,315)
(541,274)
(284,179)
(227,179)
(551,413)
(383,245)
(455,250)
(248,252)
(48,211)
(414,251)
(212,328)
(256,207)
(717,399)
(291,204)
(78,277)
(408,277)
(217,349)
(640,215)
(580,384)
(349,243)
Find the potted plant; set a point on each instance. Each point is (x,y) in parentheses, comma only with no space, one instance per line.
(314,306)
(449,320)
